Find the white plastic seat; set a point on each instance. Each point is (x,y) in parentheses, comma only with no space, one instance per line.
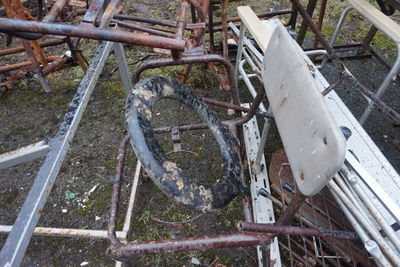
(313,142)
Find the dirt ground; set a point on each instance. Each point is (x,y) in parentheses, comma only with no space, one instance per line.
(28,115)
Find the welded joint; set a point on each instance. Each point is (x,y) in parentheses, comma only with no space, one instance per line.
(176,139)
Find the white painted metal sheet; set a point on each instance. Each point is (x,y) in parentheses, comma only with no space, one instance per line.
(263,211)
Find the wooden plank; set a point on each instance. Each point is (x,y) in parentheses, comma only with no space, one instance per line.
(376,17)
(311,137)
(254,25)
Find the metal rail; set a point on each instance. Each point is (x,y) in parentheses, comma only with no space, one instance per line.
(19,237)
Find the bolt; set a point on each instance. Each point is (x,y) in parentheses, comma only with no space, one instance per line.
(287,187)
(346,132)
(263,192)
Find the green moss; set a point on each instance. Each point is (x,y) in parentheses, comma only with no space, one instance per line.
(382,41)
(11,196)
(97,203)
(108,163)
(27,96)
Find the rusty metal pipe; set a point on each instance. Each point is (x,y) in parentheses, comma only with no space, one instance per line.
(163,22)
(19,49)
(181,25)
(253,108)
(117,180)
(157,63)
(224,104)
(291,210)
(304,25)
(19,65)
(55,65)
(55,11)
(143,28)
(181,20)
(15,25)
(259,15)
(321,16)
(379,103)
(193,243)
(313,27)
(293,230)
(201,14)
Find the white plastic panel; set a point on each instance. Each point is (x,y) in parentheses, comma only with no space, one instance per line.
(313,142)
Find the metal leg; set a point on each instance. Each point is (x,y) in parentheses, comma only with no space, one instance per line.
(239,52)
(367,40)
(123,66)
(385,226)
(337,31)
(250,86)
(18,239)
(264,136)
(24,154)
(385,84)
(290,212)
(369,244)
(303,28)
(364,221)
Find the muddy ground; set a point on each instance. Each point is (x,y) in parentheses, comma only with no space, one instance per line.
(29,115)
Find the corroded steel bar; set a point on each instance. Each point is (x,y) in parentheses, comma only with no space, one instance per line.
(304,25)
(181,20)
(224,104)
(15,25)
(143,28)
(201,13)
(162,22)
(293,230)
(157,63)
(321,16)
(55,65)
(31,55)
(291,210)
(22,64)
(181,25)
(193,243)
(19,49)
(253,108)
(112,222)
(259,15)
(313,27)
(368,39)
(379,103)
(55,10)
(181,128)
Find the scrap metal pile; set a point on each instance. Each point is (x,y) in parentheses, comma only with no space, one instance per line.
(324,228)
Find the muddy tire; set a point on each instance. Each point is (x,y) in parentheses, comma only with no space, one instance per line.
(165,173)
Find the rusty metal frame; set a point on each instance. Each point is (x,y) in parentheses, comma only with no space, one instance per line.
(37,62)
(184,52)
(256,236)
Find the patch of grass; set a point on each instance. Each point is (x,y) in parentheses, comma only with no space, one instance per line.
(10,197)
(108,163)
(229,215)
